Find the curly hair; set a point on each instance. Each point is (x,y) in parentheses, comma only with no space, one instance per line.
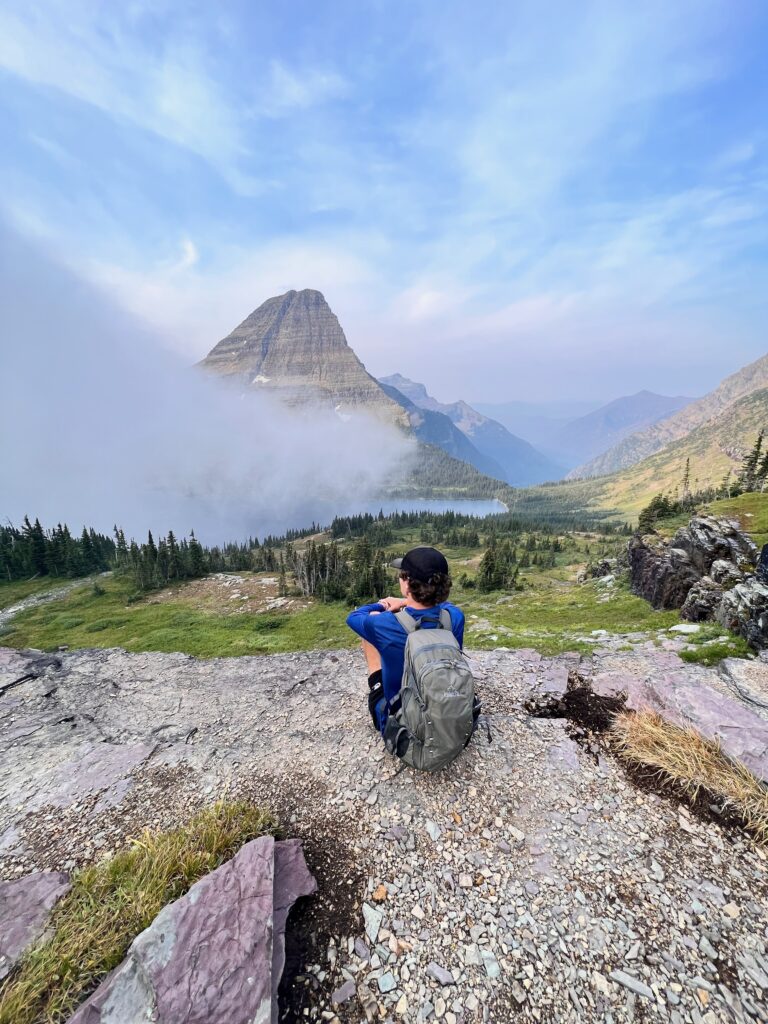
(434,592)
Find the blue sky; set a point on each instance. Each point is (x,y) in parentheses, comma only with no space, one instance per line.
(516,201)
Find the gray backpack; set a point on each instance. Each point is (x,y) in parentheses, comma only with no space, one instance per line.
(434,715)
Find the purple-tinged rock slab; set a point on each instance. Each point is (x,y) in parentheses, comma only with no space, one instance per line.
(563,756)
(25,906)
(638,690)
(292,879)
(742,734)
(96,769)
(208,957)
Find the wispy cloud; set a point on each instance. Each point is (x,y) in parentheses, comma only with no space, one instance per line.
(512,181)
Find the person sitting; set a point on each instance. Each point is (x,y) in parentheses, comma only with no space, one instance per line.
(425,584)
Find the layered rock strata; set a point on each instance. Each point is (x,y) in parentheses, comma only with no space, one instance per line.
(293,346)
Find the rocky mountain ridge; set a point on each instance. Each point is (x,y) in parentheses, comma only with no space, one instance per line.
(293,346)
(712,451)
(703,411)
(435,428)
(587,437)
(518,462)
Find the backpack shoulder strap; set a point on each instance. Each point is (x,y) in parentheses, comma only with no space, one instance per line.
(445,619)
(409,624)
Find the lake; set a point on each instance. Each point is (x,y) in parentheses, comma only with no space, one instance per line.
(215,524)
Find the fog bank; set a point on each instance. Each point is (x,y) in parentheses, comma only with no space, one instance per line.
(101,425)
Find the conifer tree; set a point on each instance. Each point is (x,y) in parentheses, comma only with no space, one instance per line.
(750,465)
(196,557)
(175,561)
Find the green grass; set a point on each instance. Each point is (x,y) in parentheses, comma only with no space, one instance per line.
(713,654)
(552,613)
(111,903)
(751,510)
(713,643)
(555,617)
(86,619)
(16,590)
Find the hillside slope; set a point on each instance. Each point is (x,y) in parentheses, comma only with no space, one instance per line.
(639,446)
(435,428)
(713,448)
(588,436)
(520,464)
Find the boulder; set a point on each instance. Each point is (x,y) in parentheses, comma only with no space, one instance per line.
(209,957)
(762,565)
(744,609)
(706,539)
(661,575)
(725,573)
(664,573)
(702,601)
(25,906)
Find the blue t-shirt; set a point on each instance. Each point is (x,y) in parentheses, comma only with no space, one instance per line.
(388,636)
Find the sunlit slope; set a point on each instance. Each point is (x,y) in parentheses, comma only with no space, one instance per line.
(747,381)
(713,448)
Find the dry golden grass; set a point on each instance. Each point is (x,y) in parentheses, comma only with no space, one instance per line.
(111,902)
(695,765)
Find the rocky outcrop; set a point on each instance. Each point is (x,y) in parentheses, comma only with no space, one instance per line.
(707,540)
(293,345)
(661,574)
(664,572)
(744,609)
(710,571)
(25,906)
(702,601)
(510,884)
(215,955)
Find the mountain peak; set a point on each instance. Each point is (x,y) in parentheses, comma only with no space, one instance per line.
(293,344)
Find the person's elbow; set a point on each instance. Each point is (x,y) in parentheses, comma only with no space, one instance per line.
(355,621)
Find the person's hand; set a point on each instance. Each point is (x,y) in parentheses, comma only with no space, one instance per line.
(393,604)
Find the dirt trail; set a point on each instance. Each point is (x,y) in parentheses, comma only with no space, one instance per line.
(6,614)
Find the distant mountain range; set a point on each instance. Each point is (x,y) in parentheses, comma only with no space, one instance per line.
(572,433)
(437,429)
(586,437)
(516,461)
(638,446)
(711,449)
(294,347)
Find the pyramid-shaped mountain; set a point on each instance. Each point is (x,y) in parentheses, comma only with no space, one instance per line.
(294,345)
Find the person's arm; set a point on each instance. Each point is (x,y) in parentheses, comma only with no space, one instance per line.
(358,619)
(458,629)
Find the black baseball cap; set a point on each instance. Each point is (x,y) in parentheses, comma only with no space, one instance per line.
(421,563)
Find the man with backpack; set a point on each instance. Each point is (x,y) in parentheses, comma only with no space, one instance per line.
(421,691)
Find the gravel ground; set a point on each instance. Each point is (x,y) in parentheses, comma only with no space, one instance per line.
(530,880)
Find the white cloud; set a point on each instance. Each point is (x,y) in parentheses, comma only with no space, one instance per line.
(192,309)
(95,57)
(289,89)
